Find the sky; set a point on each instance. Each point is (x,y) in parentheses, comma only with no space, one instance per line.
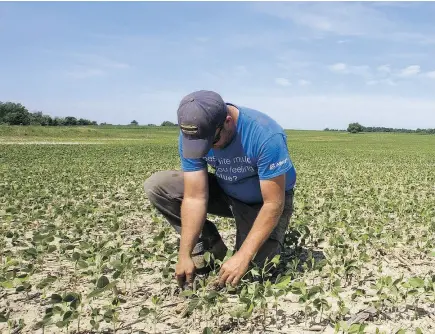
(309,65)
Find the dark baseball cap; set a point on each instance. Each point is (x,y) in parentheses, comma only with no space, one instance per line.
(199,115)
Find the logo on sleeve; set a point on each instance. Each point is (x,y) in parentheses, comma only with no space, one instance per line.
(278,164)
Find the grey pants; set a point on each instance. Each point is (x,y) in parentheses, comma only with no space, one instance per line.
(165,191)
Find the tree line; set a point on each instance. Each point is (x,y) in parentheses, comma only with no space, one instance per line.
(12,113)
(357,128)
(16,114)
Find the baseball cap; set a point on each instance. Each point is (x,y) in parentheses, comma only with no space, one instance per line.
(199,115)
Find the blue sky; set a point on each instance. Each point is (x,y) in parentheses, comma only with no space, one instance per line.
(309,65)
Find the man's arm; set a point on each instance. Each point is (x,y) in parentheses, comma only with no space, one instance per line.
(193,212)
(273,191)
(193,209)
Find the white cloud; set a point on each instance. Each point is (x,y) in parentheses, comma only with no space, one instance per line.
(388,82)
(359,70)
(351,19)
(338,67)
(410,71)
(303,82)
(430,74)
(292,61)
(384,69)
(93,65)
(282,82)
(348,19)
(84,73)
(100,61)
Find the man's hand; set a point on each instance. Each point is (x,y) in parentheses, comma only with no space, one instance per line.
(233,269)
(185,271)
(273,192)
(193,214)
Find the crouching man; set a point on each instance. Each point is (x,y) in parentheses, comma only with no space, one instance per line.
(252,180)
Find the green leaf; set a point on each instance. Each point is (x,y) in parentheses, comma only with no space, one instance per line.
(114,227)
(108,316)
(116,274)
(82,264)
(155,300)
(144,312)
(70,297)
(356,328)
(31,251)
(245,300)
(76,256)
(418,331)
(102,282)
(248,313)
(67,315)
(20,288)
(193,304)
(207,257)
(51,248)
(416,282)
(57,310)
(95,293)
(275,259)
(186,293)
(84,245)
(46,281)
(60,324)
(56,299)
(7,284)
(3,317)
(207,330)
(255,272)
(284,282)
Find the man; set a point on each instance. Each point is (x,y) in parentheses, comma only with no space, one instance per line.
(252,181)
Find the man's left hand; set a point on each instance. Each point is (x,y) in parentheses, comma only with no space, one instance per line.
(233,270)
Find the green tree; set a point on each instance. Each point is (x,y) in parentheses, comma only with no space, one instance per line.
(70,120)
(355,128)
(17,118)
(20,113)
(134,122)
(168,123)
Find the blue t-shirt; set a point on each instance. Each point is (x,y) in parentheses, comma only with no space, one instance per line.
(258,151)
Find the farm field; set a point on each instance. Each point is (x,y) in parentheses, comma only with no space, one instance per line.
(82,251)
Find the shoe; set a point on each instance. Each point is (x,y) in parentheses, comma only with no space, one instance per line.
(219,251)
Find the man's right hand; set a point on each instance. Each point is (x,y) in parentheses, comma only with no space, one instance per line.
(185,271)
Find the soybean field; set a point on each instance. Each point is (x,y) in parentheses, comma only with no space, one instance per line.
(82,250)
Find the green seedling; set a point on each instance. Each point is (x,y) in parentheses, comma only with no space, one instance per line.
(349,329)
(63,311)
(154,311)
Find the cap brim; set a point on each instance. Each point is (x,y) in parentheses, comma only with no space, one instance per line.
(196,148)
